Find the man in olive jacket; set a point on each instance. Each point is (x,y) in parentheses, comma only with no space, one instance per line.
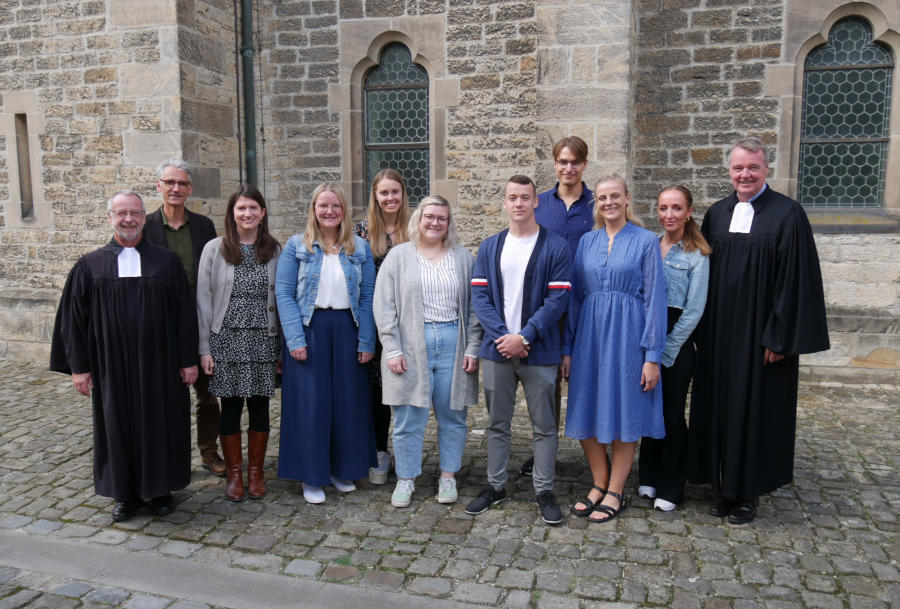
(174,227)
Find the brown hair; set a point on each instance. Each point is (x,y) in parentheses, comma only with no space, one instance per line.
(375,216)
(266,245)
(693,238)
(522,181)
(314,231)
(574,143)
(599,220)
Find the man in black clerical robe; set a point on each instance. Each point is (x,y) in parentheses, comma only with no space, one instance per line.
(127,333)
(765,307)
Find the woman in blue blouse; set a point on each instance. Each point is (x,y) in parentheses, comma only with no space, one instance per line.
(324,286)
(662,463)
(615,334)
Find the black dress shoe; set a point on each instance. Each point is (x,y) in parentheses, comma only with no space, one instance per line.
(527,467)
(722,507)
(162,506)
(743,512)
(124,510)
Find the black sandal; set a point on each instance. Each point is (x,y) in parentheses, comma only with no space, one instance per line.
(609,511)
(589,505)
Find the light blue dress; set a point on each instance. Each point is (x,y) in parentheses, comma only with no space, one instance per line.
(616,322)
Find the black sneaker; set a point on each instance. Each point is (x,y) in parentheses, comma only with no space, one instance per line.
(488,497)
(527,467)
(550,512)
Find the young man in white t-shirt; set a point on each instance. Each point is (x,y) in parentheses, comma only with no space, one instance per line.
(520,289)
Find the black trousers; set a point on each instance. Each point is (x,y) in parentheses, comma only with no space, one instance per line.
(663,463)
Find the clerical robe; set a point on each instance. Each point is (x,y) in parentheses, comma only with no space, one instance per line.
(765,290)
(133,334)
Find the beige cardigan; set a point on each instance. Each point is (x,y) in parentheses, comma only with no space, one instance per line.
(215,279)
(400,320)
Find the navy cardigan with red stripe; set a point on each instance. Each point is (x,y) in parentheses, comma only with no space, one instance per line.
(545,298)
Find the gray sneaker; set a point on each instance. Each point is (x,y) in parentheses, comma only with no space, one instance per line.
(379,475)
(403,492)
(447,490)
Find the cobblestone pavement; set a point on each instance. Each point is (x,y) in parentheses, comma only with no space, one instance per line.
(827,541)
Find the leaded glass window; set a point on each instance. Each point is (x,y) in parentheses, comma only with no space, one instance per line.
(396,98)
(844,125)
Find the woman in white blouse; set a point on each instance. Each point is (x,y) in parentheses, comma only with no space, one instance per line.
(431,338)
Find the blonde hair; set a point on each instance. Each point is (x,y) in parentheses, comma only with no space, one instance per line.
(693,239)
(375,216)
(314,231)
(450,239)
(599,220)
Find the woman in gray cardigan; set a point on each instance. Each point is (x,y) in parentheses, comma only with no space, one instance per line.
(240,336)
(431,338)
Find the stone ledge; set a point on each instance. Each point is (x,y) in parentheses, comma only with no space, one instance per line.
(851,221)
(849,374)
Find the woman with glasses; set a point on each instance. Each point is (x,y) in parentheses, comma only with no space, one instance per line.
(324,288)
(384,226)
(240,337)
(431,338)
(615,335)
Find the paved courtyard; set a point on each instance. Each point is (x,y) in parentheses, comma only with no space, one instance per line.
(827,541)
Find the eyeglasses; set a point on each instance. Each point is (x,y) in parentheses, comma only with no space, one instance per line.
(573,164)
(429,219)
(124,213)
(172,183)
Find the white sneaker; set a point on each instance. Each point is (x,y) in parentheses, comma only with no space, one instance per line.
(313,494)
(403,492)
(647,492)
(344,486)
(663,506)
(447,490)
(379,475)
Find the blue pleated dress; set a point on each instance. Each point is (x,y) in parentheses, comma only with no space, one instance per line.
(616,322)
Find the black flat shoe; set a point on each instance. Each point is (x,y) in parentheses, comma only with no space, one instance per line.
(588,504)
(162,506)
(125,510)
(743,512)
(722,507)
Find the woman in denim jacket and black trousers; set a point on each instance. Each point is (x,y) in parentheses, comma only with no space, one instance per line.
(324,286)
(663,463)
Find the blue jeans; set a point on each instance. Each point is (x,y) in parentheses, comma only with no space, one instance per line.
(410,421)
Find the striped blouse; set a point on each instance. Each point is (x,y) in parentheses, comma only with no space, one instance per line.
(439,288)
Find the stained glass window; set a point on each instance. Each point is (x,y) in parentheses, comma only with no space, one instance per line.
(844,125)
(396,126)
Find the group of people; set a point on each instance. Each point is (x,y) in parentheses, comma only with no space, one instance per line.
(392,318)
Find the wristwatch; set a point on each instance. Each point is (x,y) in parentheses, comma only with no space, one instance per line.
(525,342)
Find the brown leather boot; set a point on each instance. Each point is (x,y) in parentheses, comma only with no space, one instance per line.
(234,460)
(256,454)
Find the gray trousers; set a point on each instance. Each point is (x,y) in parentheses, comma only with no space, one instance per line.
(500,380)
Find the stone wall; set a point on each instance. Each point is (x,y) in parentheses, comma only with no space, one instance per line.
(699,75)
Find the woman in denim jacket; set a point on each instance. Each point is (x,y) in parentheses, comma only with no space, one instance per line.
(323,287)
(663,463)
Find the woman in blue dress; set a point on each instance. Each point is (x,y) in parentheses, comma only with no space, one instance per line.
(615,336)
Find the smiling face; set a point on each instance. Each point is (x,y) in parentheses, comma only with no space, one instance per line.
(389,195)
(569,168)
(247,215)
(434,224)
(611,201)
(175,186)
(673,212)
(329,212)
(519,201)
(127,219)
(748,172)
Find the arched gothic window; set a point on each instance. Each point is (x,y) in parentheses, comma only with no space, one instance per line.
(844,125)
(396,120)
